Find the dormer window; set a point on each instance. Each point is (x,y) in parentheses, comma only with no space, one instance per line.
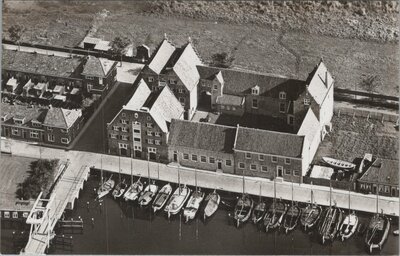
(36,124)
(255,90)
(19,120)
(282,95)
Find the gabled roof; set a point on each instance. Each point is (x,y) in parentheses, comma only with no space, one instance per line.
(139,97)
(319,82)
(165,108)
(211,137)
(240,82)
(61,118)
(309,126)
(185,67)
(98,67)
(161,56)
(383,171)
(29,114)
(269,142)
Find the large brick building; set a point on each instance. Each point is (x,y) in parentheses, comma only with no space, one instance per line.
(175,67)
(141,127)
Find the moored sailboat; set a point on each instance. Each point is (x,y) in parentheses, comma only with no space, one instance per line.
(243,209)
(311,214)
(213,200)
(119,189)
(193,204)
(349,224)
(162,197)
(259,210)
(105,187)
(377,232)
(292,216)
(147,194)
(133,191)
(177,200)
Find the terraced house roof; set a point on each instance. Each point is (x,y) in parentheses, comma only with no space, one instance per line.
(210,137)
(98,67)
(39,63)
(240,82)
(382,171)
(8,112)
(62,118)
(269,142)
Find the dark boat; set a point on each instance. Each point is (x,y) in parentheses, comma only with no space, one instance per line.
(274,215)
(330,223)
(291,218)
(310,216)
(259,210)
(243,209)
(377,232)
(119,189)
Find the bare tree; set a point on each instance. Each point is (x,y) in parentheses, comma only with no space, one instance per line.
(16,32)
(223,60)
(118,46)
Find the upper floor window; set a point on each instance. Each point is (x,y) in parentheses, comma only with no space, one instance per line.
(185,156)
(172,81)
(203,159)
(150,79)
(255,90)
(149,125)
(150,141)
(261,157)
(113,136)
(123,121)
(181,91)
(136,131)
(228,162)
(194,158)
(274,159)
(124,129)
(157,134)
(287,160)
(211,160)
(282,95)
(64,130)
(124,137)
(282,107)
(248,155)
(115,128)
(215,86)
(64,140)
(136,115)
(307,101)
(254,103)
(149,133)
(157,142)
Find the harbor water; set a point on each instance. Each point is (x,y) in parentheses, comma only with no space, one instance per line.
(118,227)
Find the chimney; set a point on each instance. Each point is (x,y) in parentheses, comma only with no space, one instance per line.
(165,36)
(189,39)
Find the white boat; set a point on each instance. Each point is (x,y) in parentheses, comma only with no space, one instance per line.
(193,205)
(162,197)
(119,189)
(349,226)
(396,232)
(177,200)
(213,201)
(148,194)
(105,188)
(243,209)
(133,191)
(338,163)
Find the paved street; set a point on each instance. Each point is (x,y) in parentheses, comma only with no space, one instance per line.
(361,202)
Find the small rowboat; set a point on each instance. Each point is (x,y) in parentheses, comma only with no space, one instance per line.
(338,163)
(105,188)
(213,200)
(349,226)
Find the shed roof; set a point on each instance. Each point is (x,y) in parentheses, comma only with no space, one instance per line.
(382,171)
(321,172)
(269,142)
(204,136)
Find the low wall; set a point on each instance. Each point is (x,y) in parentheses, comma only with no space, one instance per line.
(381,116)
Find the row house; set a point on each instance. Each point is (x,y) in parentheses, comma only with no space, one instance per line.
(382,178)
(238,92)
(141,128)
(202,146)
(175,67)
(51,126)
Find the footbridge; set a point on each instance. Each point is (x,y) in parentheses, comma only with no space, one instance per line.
(46,212)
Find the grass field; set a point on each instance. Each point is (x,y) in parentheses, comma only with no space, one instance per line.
(13,171)
(255,47)
(352,137)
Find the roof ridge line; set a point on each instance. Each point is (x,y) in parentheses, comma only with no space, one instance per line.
(262,130)
(205,123)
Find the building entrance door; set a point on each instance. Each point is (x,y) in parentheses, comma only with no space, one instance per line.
(219,165)
(175,156)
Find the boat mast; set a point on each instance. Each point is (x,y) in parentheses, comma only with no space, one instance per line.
(311,196)
(274,190)
(243,181)
(260,191)
(377,198)
(195,177)
(349,199)
(131,171)
(330,194)
(148,166)
(291,179)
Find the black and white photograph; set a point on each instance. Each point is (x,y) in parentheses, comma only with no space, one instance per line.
(199,127)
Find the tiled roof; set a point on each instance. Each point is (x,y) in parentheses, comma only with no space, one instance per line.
(185,67)
(35,113)
(317,84)
(204,136)
(310,126)
(39,63)
(139,97)
(98,67)
(269,142)
(240,82)
(165,108)
(161,56)
(61,118)
(382,171)
(231,100)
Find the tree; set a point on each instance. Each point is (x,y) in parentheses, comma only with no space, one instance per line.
(118,46)
(223,60)
(16,32)
(370,83)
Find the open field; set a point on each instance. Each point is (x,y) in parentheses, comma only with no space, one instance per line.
(352,137)
(13,171)
(292,53)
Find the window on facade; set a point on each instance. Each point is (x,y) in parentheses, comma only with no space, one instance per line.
(180,91)
(233,108)
(254,103)
(149,133)
(288,172)
(123,145)
(64,140)
(255,91)
(34,135)
(215,86)
(50,129)
(14,131)
(149,125)
(282,95)
(182,100)
(50,137)
(211,160)
(228,162)
(386,189)
(287,160)
(261,157)
(296,173)
(248,155)
(152,150)
(253,167)
(150,141)
(157,142)
(150,79)
(136,131)
(185,156)
(148,118)
(194,158)
(172,81)
(264,168)
(64,130)
(7,215)
(157,134)
(123,121)
(307,102)
(291,120)
(203,159)
(282,107)
(36,124)
(15,215)
(115,128)
(124,137)
(123,115)
(136,115)
(242,165)
(124,129)
(136,139)
(113,136)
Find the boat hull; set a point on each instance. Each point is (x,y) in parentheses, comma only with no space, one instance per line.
(177,201)
(376,236)
(349,226)
(330,225)
(212,205)
(243,209)
(161,198)
(274,216)
(310,216)
(291,218)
